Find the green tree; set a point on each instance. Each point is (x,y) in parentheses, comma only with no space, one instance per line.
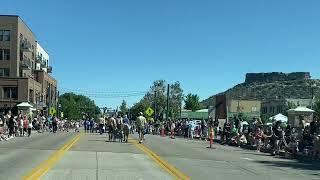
(74,106)
(192,102)
(123,107)
(317,109)
(176,94)
(157,95)
(141,106)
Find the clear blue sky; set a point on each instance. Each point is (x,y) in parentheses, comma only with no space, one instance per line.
(207,45)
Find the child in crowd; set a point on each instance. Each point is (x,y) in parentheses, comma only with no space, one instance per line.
(2,136)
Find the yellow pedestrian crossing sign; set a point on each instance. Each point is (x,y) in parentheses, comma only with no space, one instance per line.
(52,111)
(149,111)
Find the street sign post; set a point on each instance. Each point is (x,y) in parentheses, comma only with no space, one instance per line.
(52,111)
(149,111)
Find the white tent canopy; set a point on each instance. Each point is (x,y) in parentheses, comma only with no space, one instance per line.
(245,123)
(24,104)
(279,117)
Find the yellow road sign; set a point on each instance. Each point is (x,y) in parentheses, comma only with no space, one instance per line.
(149,111)
(52,111)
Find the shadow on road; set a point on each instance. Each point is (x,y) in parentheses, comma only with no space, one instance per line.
(295,164)
(258,154)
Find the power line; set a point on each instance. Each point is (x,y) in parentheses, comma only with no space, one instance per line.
(100,92)
(106,94)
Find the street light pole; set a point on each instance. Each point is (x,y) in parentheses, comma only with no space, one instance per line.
(168,93)
(155,105)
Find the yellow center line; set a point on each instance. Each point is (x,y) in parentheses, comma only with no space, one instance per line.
(173,171)
(46,165)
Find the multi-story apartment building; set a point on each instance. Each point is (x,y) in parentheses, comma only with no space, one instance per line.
(24,68)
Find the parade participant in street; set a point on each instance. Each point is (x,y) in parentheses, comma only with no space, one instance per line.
(40,121)
(86,125)
(91,125)
(141,121)
(126,128)
(119,122)
(77,126)
(102,121)
(112,127)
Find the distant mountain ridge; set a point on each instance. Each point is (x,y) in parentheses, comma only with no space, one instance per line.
(300,87)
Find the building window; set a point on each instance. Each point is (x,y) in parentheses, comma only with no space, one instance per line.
(4,54)
(4,72)
(271,109)
(10,92)
(4,35)
(279,109)
(254,109)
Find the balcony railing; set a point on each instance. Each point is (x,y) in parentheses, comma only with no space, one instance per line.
(49,69)
(25,46)
(25,64)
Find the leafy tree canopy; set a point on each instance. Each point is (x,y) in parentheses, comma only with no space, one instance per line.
(75,106)
(157,97)
(192,102)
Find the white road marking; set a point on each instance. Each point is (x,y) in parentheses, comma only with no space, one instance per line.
(247,159)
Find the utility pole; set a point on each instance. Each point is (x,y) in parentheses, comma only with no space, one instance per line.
(180,108)
(168,93)
(155,105)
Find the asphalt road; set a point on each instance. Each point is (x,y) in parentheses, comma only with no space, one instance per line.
(93,158)
(228,163)
(20,155)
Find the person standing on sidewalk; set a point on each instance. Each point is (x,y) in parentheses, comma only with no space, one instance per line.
(258,138)
(141,122)
(29,128)
(11,127)
(54,124)
(25,124)
(173,127)
(2,136)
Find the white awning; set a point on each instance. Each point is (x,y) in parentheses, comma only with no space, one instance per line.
(301,109)
(202,110)
(24,104)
